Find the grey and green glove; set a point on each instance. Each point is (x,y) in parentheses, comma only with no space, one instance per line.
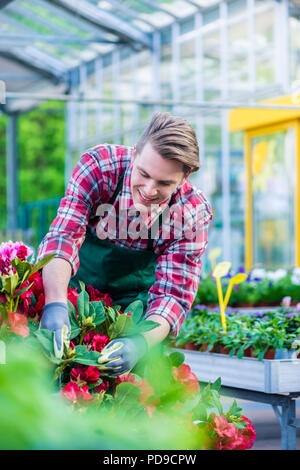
(56,318)
(122,354)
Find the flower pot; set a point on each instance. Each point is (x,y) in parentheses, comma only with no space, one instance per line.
(190,346)
(247,352)
(285,354)
(224,350)
(269,354)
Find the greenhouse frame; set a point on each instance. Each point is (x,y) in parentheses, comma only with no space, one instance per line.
(122,60)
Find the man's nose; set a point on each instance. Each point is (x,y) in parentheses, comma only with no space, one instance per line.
(150,189)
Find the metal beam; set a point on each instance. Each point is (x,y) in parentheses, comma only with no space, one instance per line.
(69,17)
(131,13)
(104,20)
(189,104)
(51,63)
(12,172)
(33,64)
(156,6)
(3,3)
(12,38)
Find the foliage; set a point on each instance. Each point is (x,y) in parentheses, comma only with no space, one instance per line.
(160,392)
(41,146)
(260,331)
(261,288)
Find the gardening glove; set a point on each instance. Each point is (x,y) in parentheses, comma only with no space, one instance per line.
(56,318)
(122,354)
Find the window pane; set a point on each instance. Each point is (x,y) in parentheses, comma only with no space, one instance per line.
(273,168)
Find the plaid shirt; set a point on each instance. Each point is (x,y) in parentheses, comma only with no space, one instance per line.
(93,183)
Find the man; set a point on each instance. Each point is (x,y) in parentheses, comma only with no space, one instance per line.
(130,190)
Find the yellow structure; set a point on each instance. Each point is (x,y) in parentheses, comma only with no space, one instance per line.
(272,161)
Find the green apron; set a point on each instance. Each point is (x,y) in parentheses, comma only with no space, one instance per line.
(125,274)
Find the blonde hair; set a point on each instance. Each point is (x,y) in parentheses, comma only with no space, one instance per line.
(173,138)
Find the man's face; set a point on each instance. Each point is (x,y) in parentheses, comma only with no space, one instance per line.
(154,178)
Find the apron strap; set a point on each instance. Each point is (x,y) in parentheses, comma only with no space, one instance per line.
(117,190)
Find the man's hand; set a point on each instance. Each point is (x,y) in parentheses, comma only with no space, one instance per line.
(56,318)
(122,354)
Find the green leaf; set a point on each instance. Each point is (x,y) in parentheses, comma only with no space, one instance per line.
(216,401)
(126,392)
(83,305)
(24,290)
(200,412)
(99,312)
(142,327)
(137,309)
(82,285)
(235,410)
(111,314)
(86,357)
(216,385)
(23,268)
(121,327)
(177,358)
(45,338)
(10,283)
(42,263)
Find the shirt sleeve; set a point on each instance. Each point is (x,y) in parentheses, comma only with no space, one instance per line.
(67,231)
(178,274)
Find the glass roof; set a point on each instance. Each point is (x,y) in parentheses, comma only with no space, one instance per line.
(51,37)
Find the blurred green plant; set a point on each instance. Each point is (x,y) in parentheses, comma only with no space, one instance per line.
(260,331)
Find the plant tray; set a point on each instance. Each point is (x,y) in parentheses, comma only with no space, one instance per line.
(268,375)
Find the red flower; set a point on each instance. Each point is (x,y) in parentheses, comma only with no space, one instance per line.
(5,266)
(89,374)
(74,393)
(22,252)
(184,375)
(248,433)
(72,297)
(18,323)
(96,341)
(125,378)
(96,295)
(101,388)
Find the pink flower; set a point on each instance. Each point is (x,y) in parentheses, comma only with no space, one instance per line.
(286,301)
(229,437)
(74,393)
(10,250)
(18,324)
(184,375)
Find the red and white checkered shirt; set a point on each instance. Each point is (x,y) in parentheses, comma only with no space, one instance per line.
(93,183)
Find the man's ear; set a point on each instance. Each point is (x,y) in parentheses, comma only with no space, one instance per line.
(133,153)
(185,177)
